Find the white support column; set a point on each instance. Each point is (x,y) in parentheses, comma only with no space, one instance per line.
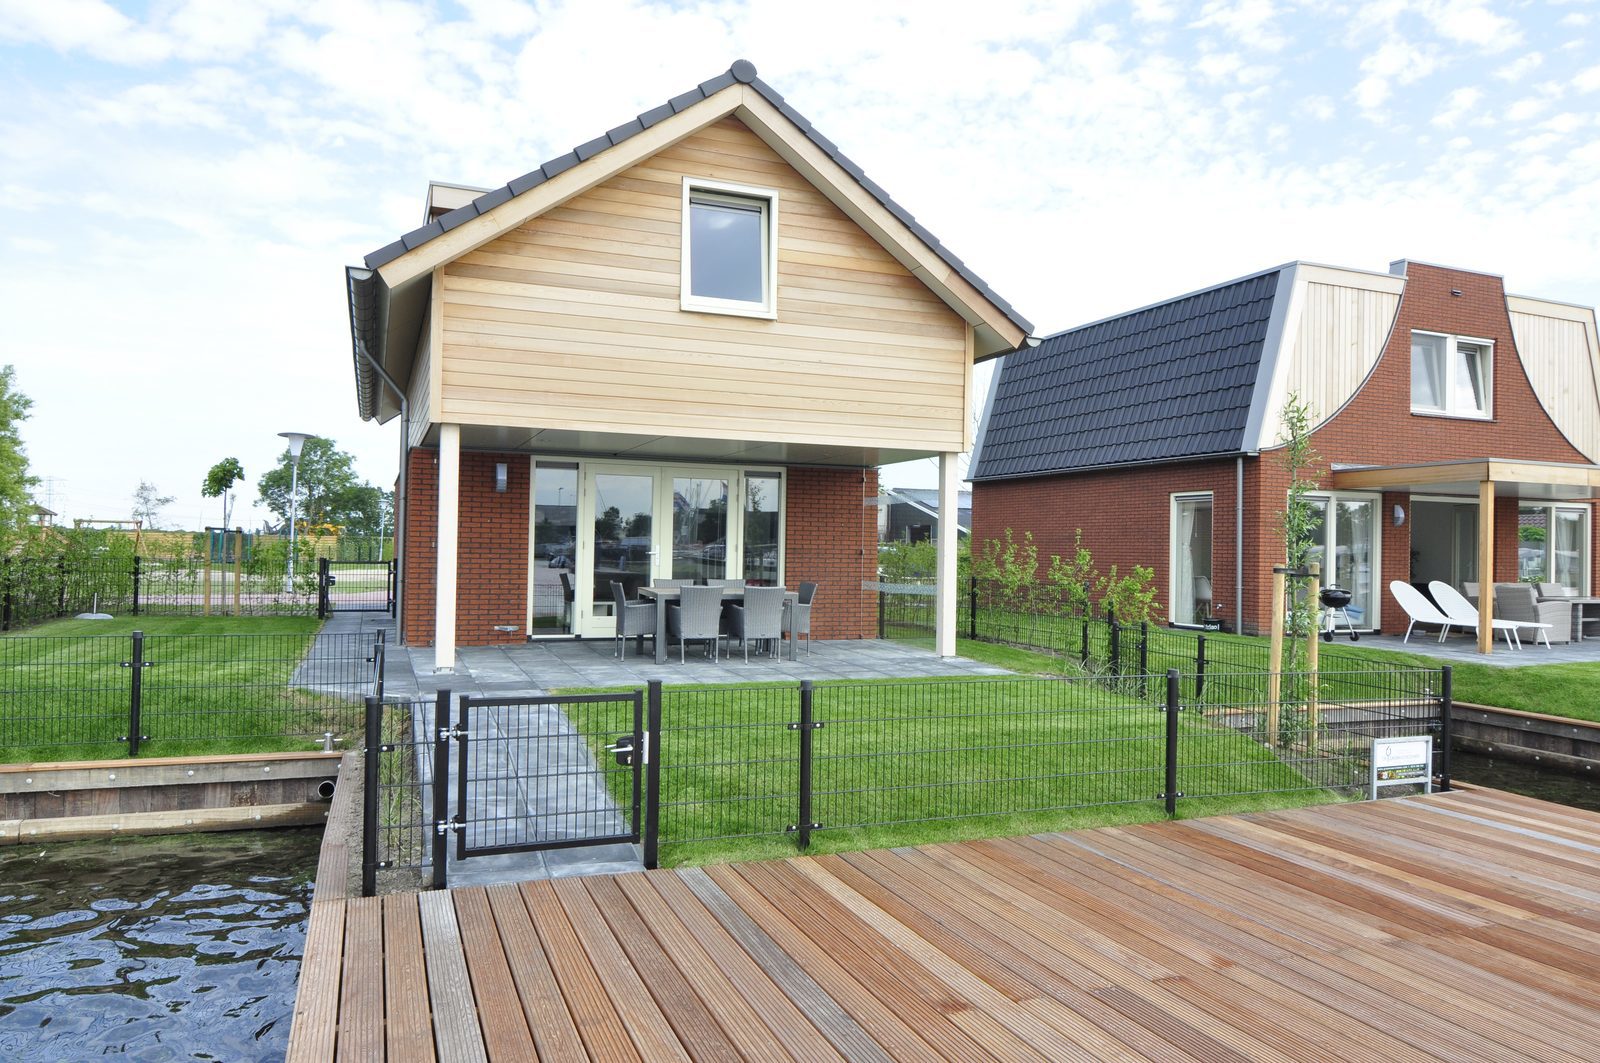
(949,535)
(445,557)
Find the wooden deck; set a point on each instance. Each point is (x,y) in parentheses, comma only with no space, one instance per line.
(1458,926)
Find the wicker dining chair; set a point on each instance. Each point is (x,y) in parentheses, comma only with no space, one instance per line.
(634,619)
(759,618)
(697,615)
(800,614)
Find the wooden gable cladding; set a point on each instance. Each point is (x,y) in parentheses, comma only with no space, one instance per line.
(572,321)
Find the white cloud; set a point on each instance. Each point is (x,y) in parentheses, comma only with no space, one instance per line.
(1250,22)
(1517,69)
(1457,106)
(1395,63)
(1319,107)
(1471,22)
(1587,80)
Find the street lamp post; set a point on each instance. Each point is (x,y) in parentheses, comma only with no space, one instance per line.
(297,441)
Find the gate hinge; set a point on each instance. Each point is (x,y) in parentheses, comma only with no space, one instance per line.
(446,734)
(448,826)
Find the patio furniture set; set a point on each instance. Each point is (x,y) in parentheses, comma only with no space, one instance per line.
(1544,612)
(710,612)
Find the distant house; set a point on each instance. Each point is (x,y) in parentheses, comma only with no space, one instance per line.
(680,350)
(911,514)
(1450,418)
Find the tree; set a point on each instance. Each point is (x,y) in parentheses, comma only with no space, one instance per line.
(16,486)
(330,491)
(148,502)
(219,483)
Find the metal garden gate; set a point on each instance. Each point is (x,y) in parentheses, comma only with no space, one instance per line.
(355,587)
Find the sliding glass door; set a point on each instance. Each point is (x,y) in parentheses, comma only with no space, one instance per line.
(1346,547)
(1553,545)
(1191,559)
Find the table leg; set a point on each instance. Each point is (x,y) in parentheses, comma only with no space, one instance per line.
(661,630)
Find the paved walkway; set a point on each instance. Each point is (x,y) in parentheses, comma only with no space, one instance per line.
(1463,649)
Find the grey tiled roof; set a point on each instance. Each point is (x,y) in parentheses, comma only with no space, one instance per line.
(742,71)
(1167,382)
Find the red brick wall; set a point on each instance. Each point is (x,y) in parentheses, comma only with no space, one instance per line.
(1125,516)
(492,565)
(831,537)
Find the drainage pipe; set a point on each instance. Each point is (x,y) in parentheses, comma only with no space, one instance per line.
(1238,545)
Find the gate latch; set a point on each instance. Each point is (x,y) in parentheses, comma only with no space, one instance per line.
(622,748)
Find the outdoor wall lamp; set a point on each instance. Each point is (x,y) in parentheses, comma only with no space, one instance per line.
(1399,515)
(500,477)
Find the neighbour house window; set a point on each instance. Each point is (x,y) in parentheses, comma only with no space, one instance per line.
(729,261)
(1346,546)
(1553,545)
(1450,375)
(1192,603)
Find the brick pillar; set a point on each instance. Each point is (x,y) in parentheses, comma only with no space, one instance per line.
(831,537)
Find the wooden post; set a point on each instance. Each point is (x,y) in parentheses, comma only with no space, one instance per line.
(238,562)
(205,582)
(1313,642)
(1486,567)
(1275,656)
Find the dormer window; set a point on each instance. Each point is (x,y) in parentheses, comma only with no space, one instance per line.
(1451,375)
(730,262)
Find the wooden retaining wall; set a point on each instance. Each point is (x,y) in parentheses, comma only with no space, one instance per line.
(1531,737)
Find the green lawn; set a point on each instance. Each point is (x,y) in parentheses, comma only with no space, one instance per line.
(215,685)
(1556,689)
(906,762)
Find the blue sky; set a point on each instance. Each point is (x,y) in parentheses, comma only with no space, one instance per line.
(184,181)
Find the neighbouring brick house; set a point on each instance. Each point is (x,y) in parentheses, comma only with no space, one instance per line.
(1448,417)
(679,351)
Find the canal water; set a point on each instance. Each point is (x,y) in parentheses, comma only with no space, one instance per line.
(1561,787)
(176,948)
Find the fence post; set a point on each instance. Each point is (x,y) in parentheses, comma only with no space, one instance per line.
(369,797)
(1199,667)
(379,658)
(1144,658)
(1116,642)
(1085,652)
(652,776)
(135,692)
(883,600)
(1171,791)
(972,608)
(803,825)
(1446,728)
(135,588)
(441,787)
(61,585)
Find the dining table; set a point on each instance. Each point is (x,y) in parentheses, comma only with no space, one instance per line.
(663,595)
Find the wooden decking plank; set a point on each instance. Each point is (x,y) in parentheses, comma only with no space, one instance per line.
(456,1033)
(696,1029)
(1205,976)
(314,1030)
(737,963)
(361,982)
(1567,820)
(797,992)
(970,982)
(596,1018)
(504,1027)
(1070,1005)
(1513,848)
(649,1029)
(554,1034)
(408,1018)
(1349,972)
(913,991)
(864,1011)
(1096,963)
(1327,979)
(714,981)
(1111,961)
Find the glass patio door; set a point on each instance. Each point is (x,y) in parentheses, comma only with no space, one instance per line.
(617,524)
(1191,560)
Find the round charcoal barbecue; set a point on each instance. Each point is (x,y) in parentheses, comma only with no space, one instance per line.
(1335,607)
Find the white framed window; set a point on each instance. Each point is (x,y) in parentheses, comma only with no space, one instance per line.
(1347,537)
(730,249)
(1553,545)
(1190,538)
(1451,376)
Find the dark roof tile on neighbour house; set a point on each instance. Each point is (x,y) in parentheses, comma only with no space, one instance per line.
(743,72)
(1167,382)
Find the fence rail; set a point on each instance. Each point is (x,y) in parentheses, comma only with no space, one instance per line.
(726,764)
(83,697)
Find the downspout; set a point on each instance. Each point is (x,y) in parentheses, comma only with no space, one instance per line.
(1238,545)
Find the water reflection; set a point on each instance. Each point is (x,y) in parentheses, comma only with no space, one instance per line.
(162,948)
(1530,780)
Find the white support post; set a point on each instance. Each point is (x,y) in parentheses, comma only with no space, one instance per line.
(445,557)
(949,535)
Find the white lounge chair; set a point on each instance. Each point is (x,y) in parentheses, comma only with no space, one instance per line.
(1419,609)
(1463,613)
